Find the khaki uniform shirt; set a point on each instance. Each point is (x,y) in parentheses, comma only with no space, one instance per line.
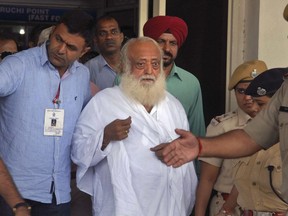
(252,181)
(271,126)
(220,125)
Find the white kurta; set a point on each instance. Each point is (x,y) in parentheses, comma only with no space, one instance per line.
(127,178)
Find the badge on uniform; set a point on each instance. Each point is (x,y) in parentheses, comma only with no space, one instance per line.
(54,122)
(254,73)
(261,91)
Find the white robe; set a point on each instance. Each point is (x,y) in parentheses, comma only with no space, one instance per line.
(127,178)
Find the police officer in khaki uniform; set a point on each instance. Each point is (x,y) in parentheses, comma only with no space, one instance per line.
(270,126)
(215,172)
(259,177)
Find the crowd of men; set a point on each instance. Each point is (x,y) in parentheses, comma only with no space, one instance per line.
(129,122)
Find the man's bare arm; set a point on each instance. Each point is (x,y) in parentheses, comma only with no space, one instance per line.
(9,191)
(233,144)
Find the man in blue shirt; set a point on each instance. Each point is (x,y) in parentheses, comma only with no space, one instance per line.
(108,39)
(42,92)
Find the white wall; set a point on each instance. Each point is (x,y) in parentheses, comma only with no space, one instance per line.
(256,30)
(159,8)
(273,33)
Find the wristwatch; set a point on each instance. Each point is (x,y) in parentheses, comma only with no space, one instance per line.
(21,204)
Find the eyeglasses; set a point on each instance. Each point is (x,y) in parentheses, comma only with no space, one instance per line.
(5,53)
(240,90)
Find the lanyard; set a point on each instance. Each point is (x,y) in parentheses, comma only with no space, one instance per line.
(56,100)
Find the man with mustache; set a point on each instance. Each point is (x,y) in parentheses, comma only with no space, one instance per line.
(42,92)
(114,134)
(170,32)
(270,126)
(108,39)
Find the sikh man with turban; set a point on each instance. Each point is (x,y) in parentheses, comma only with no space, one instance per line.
(170,32)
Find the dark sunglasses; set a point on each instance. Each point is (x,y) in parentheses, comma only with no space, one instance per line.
(4,54)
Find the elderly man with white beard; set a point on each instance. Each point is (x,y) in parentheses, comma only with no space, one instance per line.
(114,134)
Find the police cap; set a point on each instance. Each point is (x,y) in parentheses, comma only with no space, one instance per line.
(267,83)
(246,72)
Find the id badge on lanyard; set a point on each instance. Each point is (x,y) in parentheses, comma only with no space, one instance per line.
(54,118)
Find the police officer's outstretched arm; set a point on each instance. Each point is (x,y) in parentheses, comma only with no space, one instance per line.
(180,151)
(233,144)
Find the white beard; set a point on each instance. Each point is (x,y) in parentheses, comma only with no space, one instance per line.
(148,94)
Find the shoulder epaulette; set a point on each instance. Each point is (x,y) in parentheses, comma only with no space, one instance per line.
(216,120)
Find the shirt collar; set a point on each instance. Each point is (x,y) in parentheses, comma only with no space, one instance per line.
(44,54)
(174,72)
(103,63)
(243,117)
